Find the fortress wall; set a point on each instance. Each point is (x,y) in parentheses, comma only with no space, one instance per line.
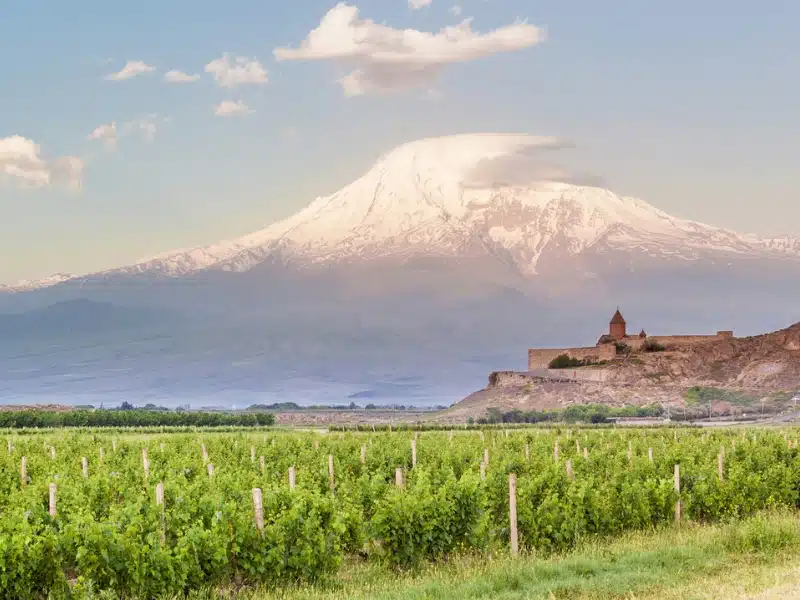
(607,352)
(634,343)
(592,375)
(508,379)
(540,358)
(685,340)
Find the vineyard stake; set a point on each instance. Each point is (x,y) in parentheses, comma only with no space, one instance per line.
(160,502)
(570,475)
(53,452)
(205,454)
(527,451)
(483,470)
(630,452)
(398,477)
(258,509)
(23,471)
(330,470)
(53,500)
(291,478)
(650,454)
(486,456)
(585,452)
(101,455)
(210,468)
(363,454)
(261,464)
(114,444)
(145,463)
(555,451)
(85,467)
(512,512)
(720,466)
(252,454)
(413,453)
(678,492)
(577,446)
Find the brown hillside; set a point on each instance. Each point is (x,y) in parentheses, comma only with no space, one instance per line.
(737,372)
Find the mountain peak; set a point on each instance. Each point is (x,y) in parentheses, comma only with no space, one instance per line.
(467,195)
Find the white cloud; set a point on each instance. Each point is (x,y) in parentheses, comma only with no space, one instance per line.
(387,59)
(21,160)
(231,108)
(232,71)
(417,4)
(455,10)
(179,77)
(527,165)
(110,133)
(131,69)
(106,133)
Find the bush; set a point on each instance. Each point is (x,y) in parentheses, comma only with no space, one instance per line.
(650,345)
(564,361)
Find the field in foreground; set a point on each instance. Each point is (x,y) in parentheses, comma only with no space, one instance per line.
(81,511)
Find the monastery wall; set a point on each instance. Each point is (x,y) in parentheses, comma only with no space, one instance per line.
(540,358)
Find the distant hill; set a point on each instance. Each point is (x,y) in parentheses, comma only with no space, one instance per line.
(80,316)
(732,376)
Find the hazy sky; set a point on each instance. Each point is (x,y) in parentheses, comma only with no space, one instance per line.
(105,157)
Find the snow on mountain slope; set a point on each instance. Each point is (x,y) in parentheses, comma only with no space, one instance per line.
(423,198)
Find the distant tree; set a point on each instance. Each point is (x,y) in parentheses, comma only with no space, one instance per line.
(126,406)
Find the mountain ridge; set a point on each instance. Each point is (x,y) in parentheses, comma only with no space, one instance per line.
(449,196)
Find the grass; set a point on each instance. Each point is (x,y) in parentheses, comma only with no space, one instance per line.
(689,562)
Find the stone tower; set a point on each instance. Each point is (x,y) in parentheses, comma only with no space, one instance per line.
(616,327)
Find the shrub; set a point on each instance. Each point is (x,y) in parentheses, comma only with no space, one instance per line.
(564,361)
(650,345)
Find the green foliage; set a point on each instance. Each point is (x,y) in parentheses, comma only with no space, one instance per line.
(107,533)
(651,345)
(696,396)
(564,361)
(146,417)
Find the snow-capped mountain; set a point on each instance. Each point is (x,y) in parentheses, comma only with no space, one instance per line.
(450,196)
(27,285)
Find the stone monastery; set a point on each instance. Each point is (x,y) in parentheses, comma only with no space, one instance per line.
(618,340)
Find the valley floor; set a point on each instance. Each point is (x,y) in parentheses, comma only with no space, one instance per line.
(751,560)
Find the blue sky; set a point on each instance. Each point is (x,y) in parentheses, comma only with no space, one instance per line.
(691,106)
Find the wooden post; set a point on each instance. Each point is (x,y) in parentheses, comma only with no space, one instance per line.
(577,446)
(160,502)
(650,454)
(252,454)
(720,466)
(364,454)
(53,500)
(585,452)
(145,463)
(483,471)
(262,465)
(555,451)
(527,451)
(330,470)
(486,456)
(102,456)
(10,446)
(512,512)
(23,471)
(85,467)
(413,453)
(398,477)
(114,444)
(316,444)
(291,478)
(630,452)
(205,453)
(53,452)
(570,475)
(258,509)
(210,467)
(678,491)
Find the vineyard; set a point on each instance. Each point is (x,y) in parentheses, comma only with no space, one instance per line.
(165,513)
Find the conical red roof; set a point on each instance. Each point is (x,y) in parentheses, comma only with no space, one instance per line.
(617,319)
